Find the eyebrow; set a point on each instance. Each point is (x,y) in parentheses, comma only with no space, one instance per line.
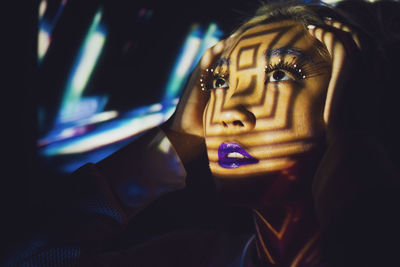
(287,51)
(223,61)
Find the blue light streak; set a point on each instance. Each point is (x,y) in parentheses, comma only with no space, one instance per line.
(46,28)
(197,42)
(184,62)
(83,68)
(90,134)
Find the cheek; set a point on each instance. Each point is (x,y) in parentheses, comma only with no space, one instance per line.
(207,114)
(308,111)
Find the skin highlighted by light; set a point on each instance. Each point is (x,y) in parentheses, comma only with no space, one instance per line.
(267,99)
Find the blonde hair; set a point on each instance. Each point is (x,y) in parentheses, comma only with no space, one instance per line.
(291,10)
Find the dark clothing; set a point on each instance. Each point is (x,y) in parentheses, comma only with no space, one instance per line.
(140,207)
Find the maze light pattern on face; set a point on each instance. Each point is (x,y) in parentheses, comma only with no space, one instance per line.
(260,118)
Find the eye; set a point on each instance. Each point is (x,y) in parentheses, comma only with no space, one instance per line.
(220,82)
(278,75)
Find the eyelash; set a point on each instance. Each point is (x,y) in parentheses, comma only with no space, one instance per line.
(210,76)
(293,68)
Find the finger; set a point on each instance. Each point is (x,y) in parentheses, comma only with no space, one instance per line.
(338,53)
(219,47)
(324,36)
(212,54)
(206,59)
(340,26)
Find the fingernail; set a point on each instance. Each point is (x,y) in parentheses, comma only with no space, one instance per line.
(310,27)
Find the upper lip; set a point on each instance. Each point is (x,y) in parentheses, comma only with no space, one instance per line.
(232,155)
(227,148)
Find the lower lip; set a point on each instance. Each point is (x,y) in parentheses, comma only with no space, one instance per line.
(233,163)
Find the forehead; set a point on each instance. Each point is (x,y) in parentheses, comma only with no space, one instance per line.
(267,37)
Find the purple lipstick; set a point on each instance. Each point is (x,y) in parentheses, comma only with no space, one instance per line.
(232,155)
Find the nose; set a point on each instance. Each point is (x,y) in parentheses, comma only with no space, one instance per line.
(237,119)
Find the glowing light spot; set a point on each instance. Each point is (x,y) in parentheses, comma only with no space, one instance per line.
(127,128)
(102,116)
(192,47)
(44,40)
(42,8)
(76,111)
(155,108)
(331,2)
(46,26)
(84,66)
(88,61)
(164,145)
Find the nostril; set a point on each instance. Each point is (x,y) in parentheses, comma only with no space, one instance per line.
(238,123)
(224,123)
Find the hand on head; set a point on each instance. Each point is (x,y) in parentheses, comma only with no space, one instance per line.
(343,46)
(188,117)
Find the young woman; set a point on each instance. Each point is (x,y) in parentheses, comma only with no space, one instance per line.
(288,89)
(276,120)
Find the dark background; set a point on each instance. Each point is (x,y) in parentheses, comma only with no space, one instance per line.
(138,54)
(146,49)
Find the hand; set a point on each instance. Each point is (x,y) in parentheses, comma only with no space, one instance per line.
(335,182)
(344,47)
(188,116)
(185,127)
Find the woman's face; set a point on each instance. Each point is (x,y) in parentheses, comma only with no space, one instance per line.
(266,103)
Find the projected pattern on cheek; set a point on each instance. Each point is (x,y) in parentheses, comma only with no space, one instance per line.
(271,121)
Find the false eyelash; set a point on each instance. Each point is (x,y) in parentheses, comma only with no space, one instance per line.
(208,77)
(223,75)
(206,80)
(295,68)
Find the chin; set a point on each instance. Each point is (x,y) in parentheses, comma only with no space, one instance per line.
(267,182)
(236,170)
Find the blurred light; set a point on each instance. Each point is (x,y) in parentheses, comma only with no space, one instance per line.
(165,145)
(102,117)
(82,127)
(93,135)
(210,38)
(194,47)
(184,62)
(331,2)
(187,57)
(42,8)
(62,134)
(43,43)
(149,14)
(115,130)
(78,160)
(97,139)
(155,107)
(82,70)
(144,14)
(85,67)
(46,28)
(74,111)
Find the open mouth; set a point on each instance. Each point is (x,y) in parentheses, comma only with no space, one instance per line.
(232,155)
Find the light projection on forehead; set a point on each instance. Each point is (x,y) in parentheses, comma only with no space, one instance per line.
(265,102)
(247,57)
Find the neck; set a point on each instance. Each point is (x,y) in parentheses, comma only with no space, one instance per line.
(287,233)
(286,225)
